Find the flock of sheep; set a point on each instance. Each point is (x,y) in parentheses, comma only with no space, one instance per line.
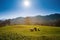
(34,29)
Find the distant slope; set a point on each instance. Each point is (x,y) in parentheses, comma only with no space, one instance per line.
(52,18)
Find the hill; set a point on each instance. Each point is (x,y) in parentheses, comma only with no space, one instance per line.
(41,20)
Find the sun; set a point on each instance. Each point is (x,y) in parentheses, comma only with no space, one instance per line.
(26,3)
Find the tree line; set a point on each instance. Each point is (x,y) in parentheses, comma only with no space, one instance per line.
(4,22)
(28,22)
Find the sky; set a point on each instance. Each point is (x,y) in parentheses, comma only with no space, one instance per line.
(22,8)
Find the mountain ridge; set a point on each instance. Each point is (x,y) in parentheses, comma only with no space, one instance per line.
(37,19)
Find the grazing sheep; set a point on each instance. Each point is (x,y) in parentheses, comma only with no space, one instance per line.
(35,29)
(38,29)
(31,30)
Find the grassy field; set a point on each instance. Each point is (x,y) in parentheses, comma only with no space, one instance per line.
(22,32)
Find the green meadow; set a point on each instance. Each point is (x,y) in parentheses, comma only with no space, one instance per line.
(23,32)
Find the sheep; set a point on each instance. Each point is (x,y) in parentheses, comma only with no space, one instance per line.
(34,29)
(31,30)
(38,29)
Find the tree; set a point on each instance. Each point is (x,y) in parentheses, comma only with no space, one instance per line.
(4,22)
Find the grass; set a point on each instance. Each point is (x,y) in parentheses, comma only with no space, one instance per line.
(22,32)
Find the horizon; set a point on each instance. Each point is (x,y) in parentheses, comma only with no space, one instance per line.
(27,16)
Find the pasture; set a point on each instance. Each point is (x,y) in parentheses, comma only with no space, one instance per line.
(23,32)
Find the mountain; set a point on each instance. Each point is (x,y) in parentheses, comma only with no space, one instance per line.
(48,19)
(19,20)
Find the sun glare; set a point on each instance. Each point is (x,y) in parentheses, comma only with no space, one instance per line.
(26,3)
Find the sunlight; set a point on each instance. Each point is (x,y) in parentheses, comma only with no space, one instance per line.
(26,3)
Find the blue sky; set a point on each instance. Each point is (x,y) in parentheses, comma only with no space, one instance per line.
(14,8)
